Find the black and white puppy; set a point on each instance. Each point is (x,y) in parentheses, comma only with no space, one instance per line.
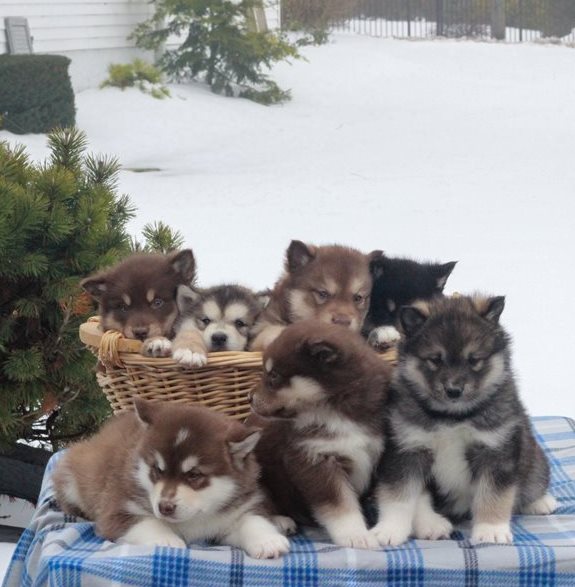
(458,439)
(399,282)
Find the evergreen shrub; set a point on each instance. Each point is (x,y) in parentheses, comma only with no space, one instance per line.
(36,94)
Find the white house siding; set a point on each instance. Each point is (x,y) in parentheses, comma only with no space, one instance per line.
(92,33)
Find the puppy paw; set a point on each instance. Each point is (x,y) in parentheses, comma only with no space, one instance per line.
(360,539)
(284,524)
(496,533)
(384,337)
(190,359)
(432,526)
(159,346)
(270,546)
(173,541)
(388,534)
(541,507)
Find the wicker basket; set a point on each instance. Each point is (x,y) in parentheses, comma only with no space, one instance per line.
(124,374)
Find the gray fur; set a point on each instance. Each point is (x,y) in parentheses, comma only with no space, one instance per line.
(438,354)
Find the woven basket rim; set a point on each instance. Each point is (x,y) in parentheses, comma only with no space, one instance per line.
(117,349)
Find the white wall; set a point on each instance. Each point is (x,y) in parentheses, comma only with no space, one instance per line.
(93,33)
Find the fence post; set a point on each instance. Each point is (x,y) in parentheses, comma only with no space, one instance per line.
(439,17)
(498,19)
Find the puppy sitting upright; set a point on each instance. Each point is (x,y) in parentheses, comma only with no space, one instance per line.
(458,440)
(219,318)
(328,283)
(399,282)
(322,389)
(168,475)
(138,297)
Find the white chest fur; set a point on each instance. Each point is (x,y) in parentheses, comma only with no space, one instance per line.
(343,438)
(448,446)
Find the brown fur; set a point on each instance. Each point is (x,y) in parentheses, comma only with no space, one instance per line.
(346,396)
(103,468)
(138,295)
(328,283)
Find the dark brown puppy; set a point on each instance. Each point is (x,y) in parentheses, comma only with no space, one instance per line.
(328,283)
(138,296)
(323,389)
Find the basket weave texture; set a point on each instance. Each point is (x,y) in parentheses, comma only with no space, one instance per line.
(224,384)
(124,374)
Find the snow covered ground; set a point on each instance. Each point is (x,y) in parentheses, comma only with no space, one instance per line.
(443,150)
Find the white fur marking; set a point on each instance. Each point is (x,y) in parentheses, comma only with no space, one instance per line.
(183,434)
(384,336)
(541,507)
(189,463)
(152,532)
(299,307)
(235,311)
(212,310)
(188,358)
(495,533)
(160,462)
(269,365)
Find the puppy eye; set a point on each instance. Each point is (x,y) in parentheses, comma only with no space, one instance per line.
(435,361)
(475,363)
(206,321)
(240,324)
(157,303)
(358,298)
(194,475)
(322,294)
(124,308)
(157,471)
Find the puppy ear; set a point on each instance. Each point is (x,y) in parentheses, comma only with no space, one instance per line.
(322,351)
(411,319)
(299,255)
(95,285)
(186,297)
(491,308)
(242,441)
(184,264)
(145,410)
(376,262)
(374,255)
(443,272)
(263,298)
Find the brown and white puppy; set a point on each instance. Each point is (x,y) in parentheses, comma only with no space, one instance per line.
(138,296)
(169,475)
(218,318)
(323,390)
(328,283)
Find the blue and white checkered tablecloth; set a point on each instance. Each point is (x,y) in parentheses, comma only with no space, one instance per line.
(61,551)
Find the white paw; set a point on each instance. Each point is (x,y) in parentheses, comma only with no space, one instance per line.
(363,539)
(388,534)
(188,358)
(432,526)
(284,524)
(158,346)
(541,507)
(270,546)
(384,337)
(496,533)
(151,532)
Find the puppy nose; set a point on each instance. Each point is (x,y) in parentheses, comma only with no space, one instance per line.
(341,319)
(219,338)
(140,332)
(167,508)
(453,392)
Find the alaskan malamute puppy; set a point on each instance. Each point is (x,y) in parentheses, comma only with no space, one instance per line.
(138,297)
(323,390)
(458,440)
(328,283)
(169,475)
(219,318)
(399,282)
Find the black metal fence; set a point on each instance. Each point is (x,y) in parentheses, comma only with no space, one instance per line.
(511,20)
